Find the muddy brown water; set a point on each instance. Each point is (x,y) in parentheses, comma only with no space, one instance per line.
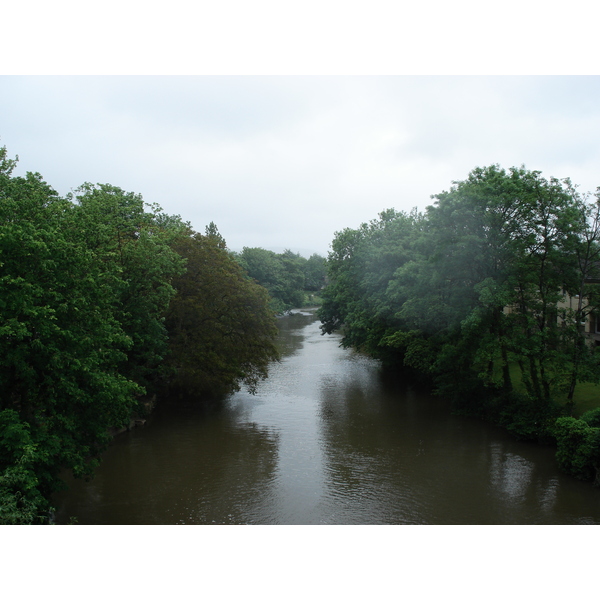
(326,440)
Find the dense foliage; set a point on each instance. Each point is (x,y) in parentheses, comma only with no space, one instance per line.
(86,283)
(289,278)
(578,447)
(482,296)
(220,325)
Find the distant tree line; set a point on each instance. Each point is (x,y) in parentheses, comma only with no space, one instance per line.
(483,296)
(291,280)
(102,303)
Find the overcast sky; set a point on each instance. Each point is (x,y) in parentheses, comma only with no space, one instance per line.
(286,161)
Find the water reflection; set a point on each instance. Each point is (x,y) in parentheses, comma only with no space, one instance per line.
(327,439)
(510,474)
(187,467)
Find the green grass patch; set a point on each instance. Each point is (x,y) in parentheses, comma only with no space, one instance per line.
(312,300)
(587,395)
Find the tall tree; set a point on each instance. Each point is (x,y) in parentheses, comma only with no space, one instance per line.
(472,286)
(361,266)
(315,271)
(84,283)
(61,346)
(136,246)
(583,295)
(221,328)
(283,275)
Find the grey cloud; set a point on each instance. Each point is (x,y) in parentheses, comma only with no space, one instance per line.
(287,161)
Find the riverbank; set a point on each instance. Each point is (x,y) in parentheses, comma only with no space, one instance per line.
(137,420)
(327,439)
(576,439)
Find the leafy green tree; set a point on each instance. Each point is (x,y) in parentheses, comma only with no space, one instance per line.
(264,268)
(283,275)
(293,284)
(503,239)
(315,270)
(60,344)
(473,286)
(578,448)
(221,328)
(21,501)
(583,288)
(361,266)
(135,248)
(84,284)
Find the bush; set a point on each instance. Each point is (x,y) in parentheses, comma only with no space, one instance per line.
(592,417)
(578,448)
(21,501)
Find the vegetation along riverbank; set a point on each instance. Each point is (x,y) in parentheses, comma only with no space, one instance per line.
(105,302)
(490,297)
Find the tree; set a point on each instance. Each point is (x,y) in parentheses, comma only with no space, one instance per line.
(506,239)
(221,328)
(578,448)
(583,287)
(21,501)
(471,287)
(60,344)
(281,274)
(135,246)
(84,283)
(315,271)
(361,266)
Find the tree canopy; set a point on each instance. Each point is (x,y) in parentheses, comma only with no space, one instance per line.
(96,292)
(220,325)
(476,287)
(288,277)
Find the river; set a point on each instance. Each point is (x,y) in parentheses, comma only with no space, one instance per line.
(326,440)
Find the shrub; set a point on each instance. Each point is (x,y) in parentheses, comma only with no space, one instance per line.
(578,447)
(592,417)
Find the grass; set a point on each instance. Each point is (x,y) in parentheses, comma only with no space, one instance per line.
(587,395)
(312,300)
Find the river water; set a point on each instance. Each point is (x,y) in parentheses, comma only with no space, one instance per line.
(326,440)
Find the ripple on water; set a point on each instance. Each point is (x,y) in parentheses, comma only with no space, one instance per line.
(325,440)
